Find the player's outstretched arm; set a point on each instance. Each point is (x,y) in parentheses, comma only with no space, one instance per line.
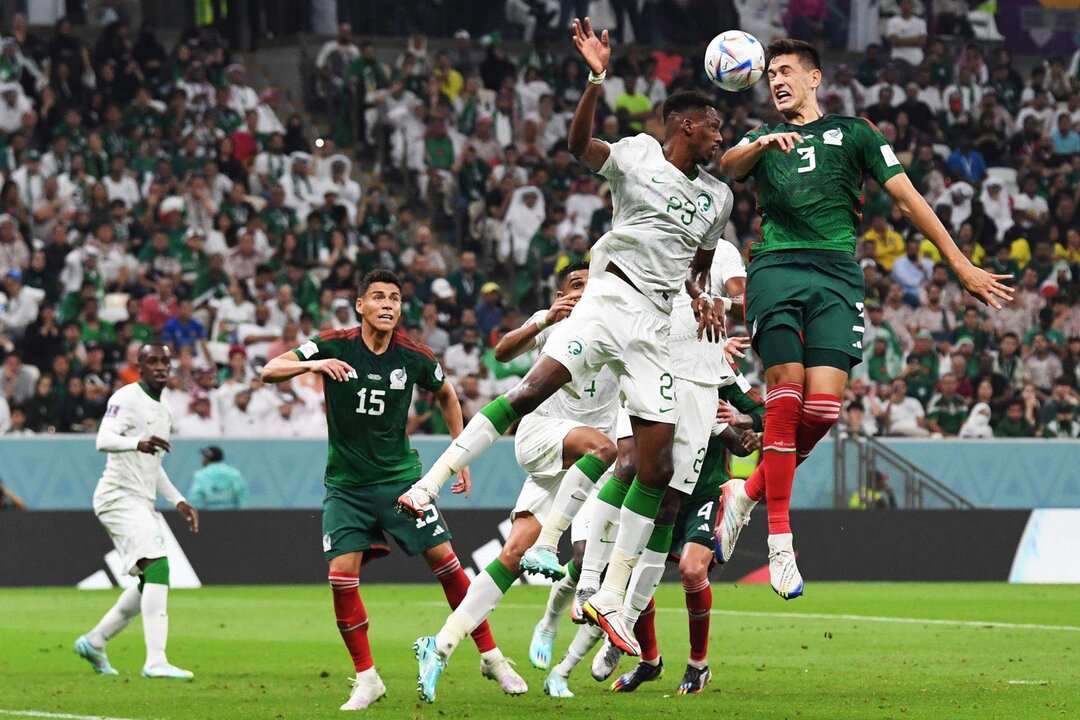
(523,339)
(985,286)
(447,398)
(287,366)
(739,161)
(596,52)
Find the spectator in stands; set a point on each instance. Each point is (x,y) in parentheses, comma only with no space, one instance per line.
(902,415)
(463,358)
(912,272)
(1042,366)
(217,485)
(1018,421)
(906,34)
(1063,426)
(946,411)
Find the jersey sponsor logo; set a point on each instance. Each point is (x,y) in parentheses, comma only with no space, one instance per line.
(833,137)
(308,349)
(574,348)
(326,543)
(807,136)
(889,155)
(398,378)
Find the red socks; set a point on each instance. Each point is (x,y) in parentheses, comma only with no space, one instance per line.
(645,632)
(698,607)
(455,585)
(352,619)
(783,411)
(820,412)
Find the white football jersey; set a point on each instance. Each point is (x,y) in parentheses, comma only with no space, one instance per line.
(660,217)
(598,397)
(696,360)
(133,414)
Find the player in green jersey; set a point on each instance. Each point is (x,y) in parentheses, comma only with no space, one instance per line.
(739,419)
(804,297)
(369,374)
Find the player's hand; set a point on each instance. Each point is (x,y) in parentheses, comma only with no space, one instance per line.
(725,413)
(560,309)
(190,514)
(152,444)
(733,349)
(984,286)
(710,323)
(595,51)
(333,368)
(750,440)
(780,141)
(462,483)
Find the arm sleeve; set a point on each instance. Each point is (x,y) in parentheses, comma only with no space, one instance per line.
(878,157)
(167,490)
(620,156)
(745,403)
(746,140)
(431,375)
(727,264)
(543,335)
(319,347)
(111,436)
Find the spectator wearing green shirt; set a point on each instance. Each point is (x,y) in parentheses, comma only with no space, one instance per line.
(1015,424)
(633,107)
(946,411)
(921,371)
(1054,337)
(216,485)
(1064,425)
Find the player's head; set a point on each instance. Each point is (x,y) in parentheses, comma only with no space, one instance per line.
(794,71)
(155,364)
(573,277)
(691,119)
(379,304)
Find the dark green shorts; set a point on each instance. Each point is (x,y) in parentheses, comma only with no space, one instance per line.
(695,523)
(357,518)
(817,293)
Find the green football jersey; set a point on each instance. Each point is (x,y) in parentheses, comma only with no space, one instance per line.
(810,198)
(714,468)
(366,415)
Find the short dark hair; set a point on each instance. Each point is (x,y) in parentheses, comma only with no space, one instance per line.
(571,268)
(378,276)
(786,46)
(686,100)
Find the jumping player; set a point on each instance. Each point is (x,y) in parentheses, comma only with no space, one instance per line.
(369,374)
(135,433)
(565,446)
(668,217)
(804,302)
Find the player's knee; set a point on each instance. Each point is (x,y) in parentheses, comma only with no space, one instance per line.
(659,470)
(692,571)
(625,467)
(603,449)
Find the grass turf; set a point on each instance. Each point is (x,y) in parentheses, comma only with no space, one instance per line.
(274,652)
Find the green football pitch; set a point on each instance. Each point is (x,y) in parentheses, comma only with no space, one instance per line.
(841,651)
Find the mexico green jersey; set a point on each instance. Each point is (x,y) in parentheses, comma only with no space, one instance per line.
(810,198)
(366,415)
(714,468)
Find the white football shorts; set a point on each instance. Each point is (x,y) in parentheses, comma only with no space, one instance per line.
(697,414)
(137,531)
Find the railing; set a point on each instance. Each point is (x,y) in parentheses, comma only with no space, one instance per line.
(868,466)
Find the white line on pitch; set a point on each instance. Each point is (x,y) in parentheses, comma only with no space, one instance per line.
(852,618)
(62,716)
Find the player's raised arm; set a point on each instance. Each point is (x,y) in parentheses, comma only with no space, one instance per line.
(447,398)
(985,286)
(739,161)
(287,366)
(596,51)
(523,339)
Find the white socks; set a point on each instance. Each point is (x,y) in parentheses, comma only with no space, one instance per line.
(603,527)
(643,584)
(477,437)
(478,603)
(634,532)
(155,599)
(117,618)
(573,491)
(584,640)
(559,599)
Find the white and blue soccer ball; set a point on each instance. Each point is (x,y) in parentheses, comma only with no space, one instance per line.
(734,60)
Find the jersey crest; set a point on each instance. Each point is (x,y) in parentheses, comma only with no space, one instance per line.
(398,378)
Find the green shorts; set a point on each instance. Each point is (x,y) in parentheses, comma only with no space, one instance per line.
(695,522)
(357,518)
(817,293)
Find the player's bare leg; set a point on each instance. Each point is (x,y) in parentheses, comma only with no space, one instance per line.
(487,426)
(587,454)
(352,622)
(636,520)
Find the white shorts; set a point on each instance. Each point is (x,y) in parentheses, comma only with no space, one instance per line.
(538,448)
(614,324)
(623,428)
(697,414)
(137,530)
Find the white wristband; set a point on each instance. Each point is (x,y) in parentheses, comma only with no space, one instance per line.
(541,323)
(727,303)
(597,79)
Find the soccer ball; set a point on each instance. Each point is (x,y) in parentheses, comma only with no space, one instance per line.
(734,60)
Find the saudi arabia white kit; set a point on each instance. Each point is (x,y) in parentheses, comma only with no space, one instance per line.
(125,494)
(661,219)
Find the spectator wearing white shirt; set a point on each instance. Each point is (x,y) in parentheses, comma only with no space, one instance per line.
(242,98)
(200,420)
(14,106)
(21,307)
(1029,208)
(246,414)
(283,310)
(256,336)
(903,416)
(463,358)
(907,34)
(119,185)
(30,179)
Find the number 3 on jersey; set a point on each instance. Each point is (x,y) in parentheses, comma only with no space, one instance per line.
(377,404)
(807,154)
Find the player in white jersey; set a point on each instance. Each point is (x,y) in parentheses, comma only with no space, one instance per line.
(565,446)
(668,216)
(135,433)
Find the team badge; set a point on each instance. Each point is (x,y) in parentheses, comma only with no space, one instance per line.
(704,202)
(833,137)
(574,348)
(398,378)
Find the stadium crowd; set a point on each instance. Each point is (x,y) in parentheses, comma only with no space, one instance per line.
(152,192)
